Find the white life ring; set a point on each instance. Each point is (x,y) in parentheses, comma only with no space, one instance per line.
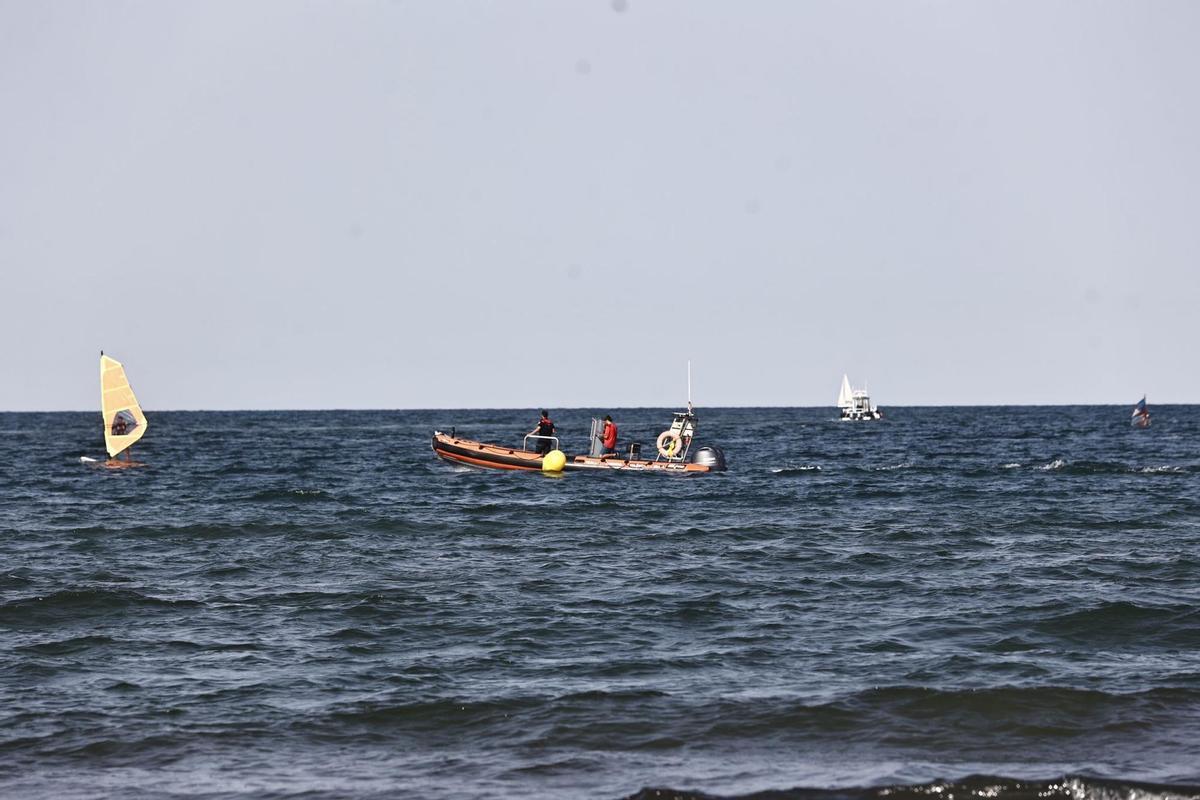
(668,444)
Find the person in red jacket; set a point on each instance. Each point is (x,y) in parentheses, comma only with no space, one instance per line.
(608,437)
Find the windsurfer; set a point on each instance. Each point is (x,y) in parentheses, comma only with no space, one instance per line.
(126,423)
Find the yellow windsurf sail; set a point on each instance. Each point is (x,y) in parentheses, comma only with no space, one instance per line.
(124,422)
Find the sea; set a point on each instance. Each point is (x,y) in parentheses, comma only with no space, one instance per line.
(950,602)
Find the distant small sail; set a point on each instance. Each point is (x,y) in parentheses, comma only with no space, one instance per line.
(846,395)
(1141,416)
(124,422)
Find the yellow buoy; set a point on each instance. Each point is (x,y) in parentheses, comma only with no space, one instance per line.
(554,461)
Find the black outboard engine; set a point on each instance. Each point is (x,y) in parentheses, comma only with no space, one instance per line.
(710,457)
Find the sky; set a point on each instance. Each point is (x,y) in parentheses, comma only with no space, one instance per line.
(356,204)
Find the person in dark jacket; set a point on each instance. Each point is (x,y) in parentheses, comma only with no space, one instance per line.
(545,427)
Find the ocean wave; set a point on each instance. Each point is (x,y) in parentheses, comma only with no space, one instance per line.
(198,530)
(1068,787)
(804,469)
(613,695)
(1122,622)
(269,495)
(13,581)
(352,635)
(940,719)
(188,646)
(919,715)
(62,647)
(76,603)
(1112,468)
(437,714)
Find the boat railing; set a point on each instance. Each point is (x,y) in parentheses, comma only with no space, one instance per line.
(595,445)
(528,436)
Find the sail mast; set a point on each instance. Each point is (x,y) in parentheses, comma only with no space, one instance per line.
(689,373)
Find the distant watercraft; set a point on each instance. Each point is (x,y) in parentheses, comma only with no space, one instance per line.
(1141,416)
(124,422)
(855,404)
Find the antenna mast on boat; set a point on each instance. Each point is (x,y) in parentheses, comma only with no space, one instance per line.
(689,370)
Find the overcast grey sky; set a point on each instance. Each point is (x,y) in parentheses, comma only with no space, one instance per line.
(481,204)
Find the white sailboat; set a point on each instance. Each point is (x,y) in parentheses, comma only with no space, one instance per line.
(855,404)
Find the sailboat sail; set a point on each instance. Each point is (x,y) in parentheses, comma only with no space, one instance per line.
(845,396)
(124,422)
(1141,415)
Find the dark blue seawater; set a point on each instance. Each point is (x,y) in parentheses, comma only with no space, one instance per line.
(311,605)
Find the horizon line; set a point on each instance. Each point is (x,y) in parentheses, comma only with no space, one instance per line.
(572,408)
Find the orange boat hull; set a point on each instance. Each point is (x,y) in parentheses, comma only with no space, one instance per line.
(494,456)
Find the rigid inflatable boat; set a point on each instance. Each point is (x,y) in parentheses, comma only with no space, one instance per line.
(673,448)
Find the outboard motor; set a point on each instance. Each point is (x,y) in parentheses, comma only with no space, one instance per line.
(710,457)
